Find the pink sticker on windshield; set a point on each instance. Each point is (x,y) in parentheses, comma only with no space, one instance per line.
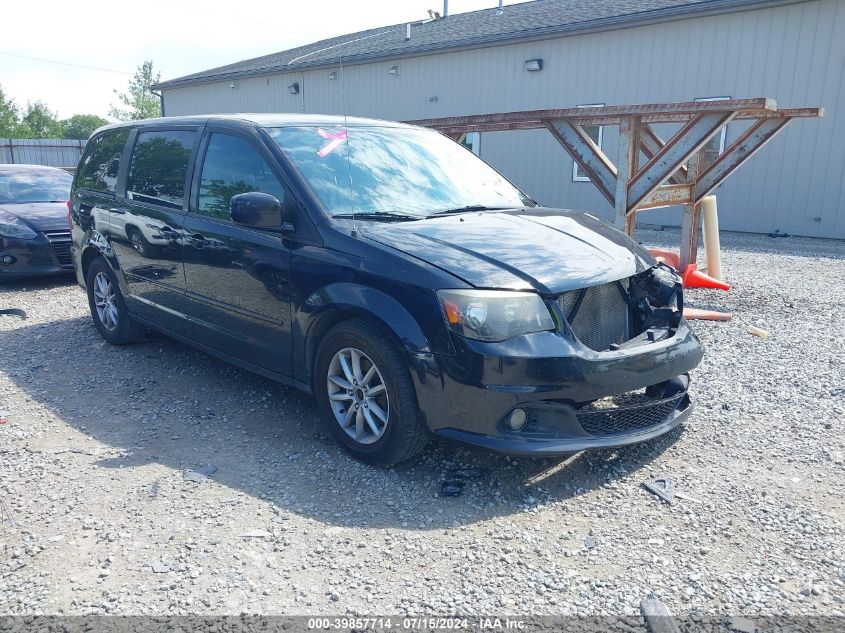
(334,140)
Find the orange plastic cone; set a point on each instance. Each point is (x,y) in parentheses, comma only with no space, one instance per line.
(706,315)
(667,257)
(694,279)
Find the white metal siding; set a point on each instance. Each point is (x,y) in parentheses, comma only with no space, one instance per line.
(794,53)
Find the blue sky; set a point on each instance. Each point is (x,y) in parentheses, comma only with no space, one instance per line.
(180,36)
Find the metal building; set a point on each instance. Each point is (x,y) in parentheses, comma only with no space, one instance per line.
(567,53)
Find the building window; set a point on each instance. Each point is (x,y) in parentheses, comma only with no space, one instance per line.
(472,141)
(595,133)
(715,145)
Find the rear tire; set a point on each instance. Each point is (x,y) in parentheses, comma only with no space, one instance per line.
(108,308)
(358,364)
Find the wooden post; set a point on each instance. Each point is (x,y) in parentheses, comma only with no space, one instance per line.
(689,235)
(692,218)
(626,166)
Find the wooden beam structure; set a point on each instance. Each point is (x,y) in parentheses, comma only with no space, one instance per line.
(676,171)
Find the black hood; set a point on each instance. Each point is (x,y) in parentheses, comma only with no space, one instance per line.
(546,250)
(40,216)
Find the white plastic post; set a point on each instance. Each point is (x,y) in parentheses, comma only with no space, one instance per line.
(712,247)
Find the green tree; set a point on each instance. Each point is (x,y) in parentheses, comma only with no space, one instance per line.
(39,122)
(10,117)
(139,102)
(80,126)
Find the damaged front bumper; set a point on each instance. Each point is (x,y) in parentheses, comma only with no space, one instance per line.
(570,394)
(554,428)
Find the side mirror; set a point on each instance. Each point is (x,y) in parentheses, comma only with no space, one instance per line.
(256,209)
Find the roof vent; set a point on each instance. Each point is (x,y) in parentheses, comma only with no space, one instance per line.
(407,31)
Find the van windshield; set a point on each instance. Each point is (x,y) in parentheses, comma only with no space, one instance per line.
(393,171)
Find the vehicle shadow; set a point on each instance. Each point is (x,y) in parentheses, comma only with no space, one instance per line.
(162,402)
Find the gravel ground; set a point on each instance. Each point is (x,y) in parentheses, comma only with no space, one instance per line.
(110,504)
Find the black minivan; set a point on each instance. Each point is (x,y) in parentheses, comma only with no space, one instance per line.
(390,272)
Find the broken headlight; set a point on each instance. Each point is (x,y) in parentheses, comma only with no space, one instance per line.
(662,285)
(494,315)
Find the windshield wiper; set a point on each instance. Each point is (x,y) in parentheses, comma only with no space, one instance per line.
(469,208)
(378,215)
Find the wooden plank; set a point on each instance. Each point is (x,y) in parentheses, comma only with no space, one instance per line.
(587,154)
(686,107)
(678,150)
(448,125)
(651,143)
(667,196)
(743,148)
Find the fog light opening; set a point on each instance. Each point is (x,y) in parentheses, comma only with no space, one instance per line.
(517,419)
(7,259)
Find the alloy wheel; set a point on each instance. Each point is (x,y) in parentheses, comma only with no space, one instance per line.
(358,395)
(137,244)
(105,301)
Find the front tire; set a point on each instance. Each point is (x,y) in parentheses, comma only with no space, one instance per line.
(366,395)
(108,308)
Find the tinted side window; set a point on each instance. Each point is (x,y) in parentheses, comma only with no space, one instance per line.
(159,167)
(101,160)
(233,166)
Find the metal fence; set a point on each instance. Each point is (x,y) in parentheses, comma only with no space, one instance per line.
(53,152)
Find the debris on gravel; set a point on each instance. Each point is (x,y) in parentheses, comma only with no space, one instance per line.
(155,479)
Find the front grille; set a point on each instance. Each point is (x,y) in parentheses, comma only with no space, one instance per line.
(60,241)
(614,417)
(601,318)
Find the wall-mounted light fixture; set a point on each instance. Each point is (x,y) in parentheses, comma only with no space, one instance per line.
(533,65)
(393,70)
(293,88)
(232,85)
(333,75)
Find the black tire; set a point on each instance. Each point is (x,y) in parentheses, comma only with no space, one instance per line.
(140,244)
(405,434)
(124,330)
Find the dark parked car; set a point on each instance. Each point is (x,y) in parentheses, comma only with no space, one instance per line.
(34,232)
(390,272)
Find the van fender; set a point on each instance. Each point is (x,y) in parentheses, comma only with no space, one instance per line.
(96,244)
(337,302)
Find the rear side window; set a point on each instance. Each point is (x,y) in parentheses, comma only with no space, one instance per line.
(232,166)
(101,160)
(159,167)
